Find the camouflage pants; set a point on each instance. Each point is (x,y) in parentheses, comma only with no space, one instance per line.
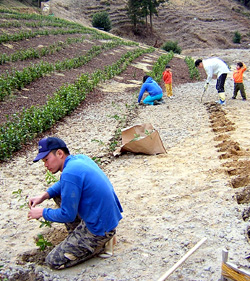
(80,245)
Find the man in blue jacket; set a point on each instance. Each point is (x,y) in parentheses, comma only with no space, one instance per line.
(153,89)
(89,206)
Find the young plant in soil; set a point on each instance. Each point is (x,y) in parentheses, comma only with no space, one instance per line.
(42,243)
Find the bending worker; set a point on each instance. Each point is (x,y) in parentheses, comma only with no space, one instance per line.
(215,66)
(153,89)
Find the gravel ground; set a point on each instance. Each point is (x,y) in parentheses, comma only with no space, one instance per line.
(171,201)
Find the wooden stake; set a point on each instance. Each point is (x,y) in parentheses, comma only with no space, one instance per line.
(189,253)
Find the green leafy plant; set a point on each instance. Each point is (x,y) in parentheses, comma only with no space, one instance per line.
(99,141)
(171,46)
(237,37)
(50,178)
(45,223)
(18,194)
(42,243)
(159,66)
(113,145)
(148,133)
(101,20)
(193,71)
(136,137)
(116,117)
(97,160)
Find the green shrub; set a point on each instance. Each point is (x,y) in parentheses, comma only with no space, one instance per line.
(101,20)
(237,37)
(193,71)
(172,46)
(159,66)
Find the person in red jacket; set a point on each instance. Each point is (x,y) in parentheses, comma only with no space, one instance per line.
(238,80)
(167,78)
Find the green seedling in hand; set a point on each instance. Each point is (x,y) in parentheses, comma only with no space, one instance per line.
(45,223)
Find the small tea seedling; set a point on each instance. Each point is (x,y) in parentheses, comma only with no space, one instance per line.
(116,117)
(136,137)
(97,160)
(42,243)
(148,133)
(99,141)
(18,194)
(113,145)
(45,223)
(50,178)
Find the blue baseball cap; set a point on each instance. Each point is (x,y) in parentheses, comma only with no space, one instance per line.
(46,145)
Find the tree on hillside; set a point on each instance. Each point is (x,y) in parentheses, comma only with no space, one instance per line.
(150,8)
(138,9)
(134,11)
(245,2)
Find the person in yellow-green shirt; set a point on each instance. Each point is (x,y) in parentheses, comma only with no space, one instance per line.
(238,81)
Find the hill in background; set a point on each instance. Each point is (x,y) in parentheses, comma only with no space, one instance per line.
(192,23)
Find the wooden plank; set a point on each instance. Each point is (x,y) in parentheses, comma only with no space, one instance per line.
(189,253)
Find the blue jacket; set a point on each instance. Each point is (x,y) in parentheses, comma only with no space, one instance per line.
(85,190)
(151,87)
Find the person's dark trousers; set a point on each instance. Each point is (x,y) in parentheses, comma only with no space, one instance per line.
(221,82)
(239,87)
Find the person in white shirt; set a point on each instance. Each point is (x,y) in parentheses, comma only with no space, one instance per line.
(215,66)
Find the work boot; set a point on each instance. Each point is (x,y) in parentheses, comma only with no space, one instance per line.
(108,250)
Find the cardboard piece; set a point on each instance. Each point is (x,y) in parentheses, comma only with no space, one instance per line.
(141,139)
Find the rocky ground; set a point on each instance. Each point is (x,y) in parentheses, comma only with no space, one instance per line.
(171,201)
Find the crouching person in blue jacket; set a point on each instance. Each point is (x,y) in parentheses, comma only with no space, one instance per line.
(154,91)
(87,202)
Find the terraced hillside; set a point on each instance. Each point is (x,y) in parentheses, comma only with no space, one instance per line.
(204,24)
(194,24)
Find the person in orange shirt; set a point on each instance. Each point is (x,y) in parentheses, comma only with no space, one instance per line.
(167,78)
(238,80)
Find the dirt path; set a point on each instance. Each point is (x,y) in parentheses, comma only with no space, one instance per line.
(171,201)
